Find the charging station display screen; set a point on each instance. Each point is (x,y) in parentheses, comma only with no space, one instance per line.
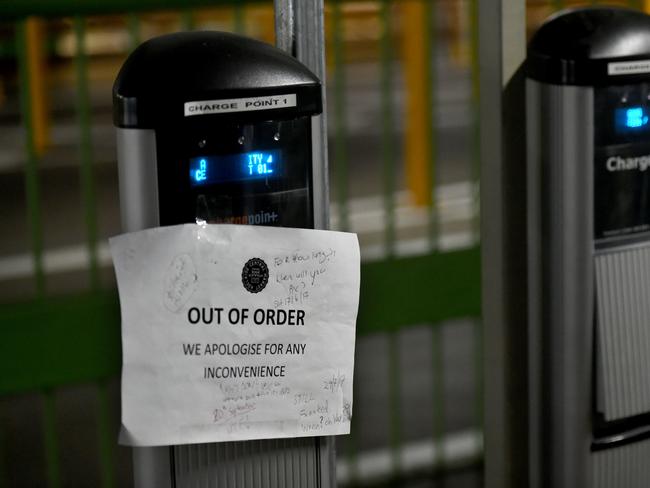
(224,171)
(631,119)
(206,170)
(622,162)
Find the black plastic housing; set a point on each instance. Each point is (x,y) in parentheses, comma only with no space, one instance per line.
(165,72)
(576,46)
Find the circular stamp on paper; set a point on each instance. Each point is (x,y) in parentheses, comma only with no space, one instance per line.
(255,275)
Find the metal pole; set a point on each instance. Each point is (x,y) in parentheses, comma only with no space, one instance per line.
(300,31)
(284,26)
(502,33)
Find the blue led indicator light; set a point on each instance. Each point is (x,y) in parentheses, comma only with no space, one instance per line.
(635,117)
(201,174)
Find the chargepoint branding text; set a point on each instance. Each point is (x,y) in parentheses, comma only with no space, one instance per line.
(617,163)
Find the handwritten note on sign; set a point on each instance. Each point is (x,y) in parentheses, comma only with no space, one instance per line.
(236,332)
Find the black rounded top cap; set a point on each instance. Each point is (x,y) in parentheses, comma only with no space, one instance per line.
(583,46)
(164,73)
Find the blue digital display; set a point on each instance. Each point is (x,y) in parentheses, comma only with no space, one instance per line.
(235,167)
(631,119)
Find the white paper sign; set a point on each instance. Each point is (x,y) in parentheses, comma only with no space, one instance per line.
(236,332)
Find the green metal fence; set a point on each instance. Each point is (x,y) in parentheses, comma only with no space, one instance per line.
(51,340)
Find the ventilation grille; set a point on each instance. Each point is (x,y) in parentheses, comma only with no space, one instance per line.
(623,332)
(277,463)
(623,467)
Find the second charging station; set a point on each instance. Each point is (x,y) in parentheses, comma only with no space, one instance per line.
(588,214)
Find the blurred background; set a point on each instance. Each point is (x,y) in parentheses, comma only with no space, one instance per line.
(402,100)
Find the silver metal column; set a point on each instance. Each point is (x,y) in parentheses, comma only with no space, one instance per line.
(502,34)
(138,211)
(560,281)
(300,31)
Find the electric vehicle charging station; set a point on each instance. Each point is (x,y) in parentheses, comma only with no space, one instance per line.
(588,109)
(218,128)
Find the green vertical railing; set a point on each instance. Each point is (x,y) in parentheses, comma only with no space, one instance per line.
(32,186)
(394,403)
(475,164)
(51,441)
(3,450)
(88,200)
(437,359)
(430,101)
(239,12)
(437,390)
(476,174)
(133,27)
(188,20)
(388,125)
(389,184)
(106,436)
(32,191)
